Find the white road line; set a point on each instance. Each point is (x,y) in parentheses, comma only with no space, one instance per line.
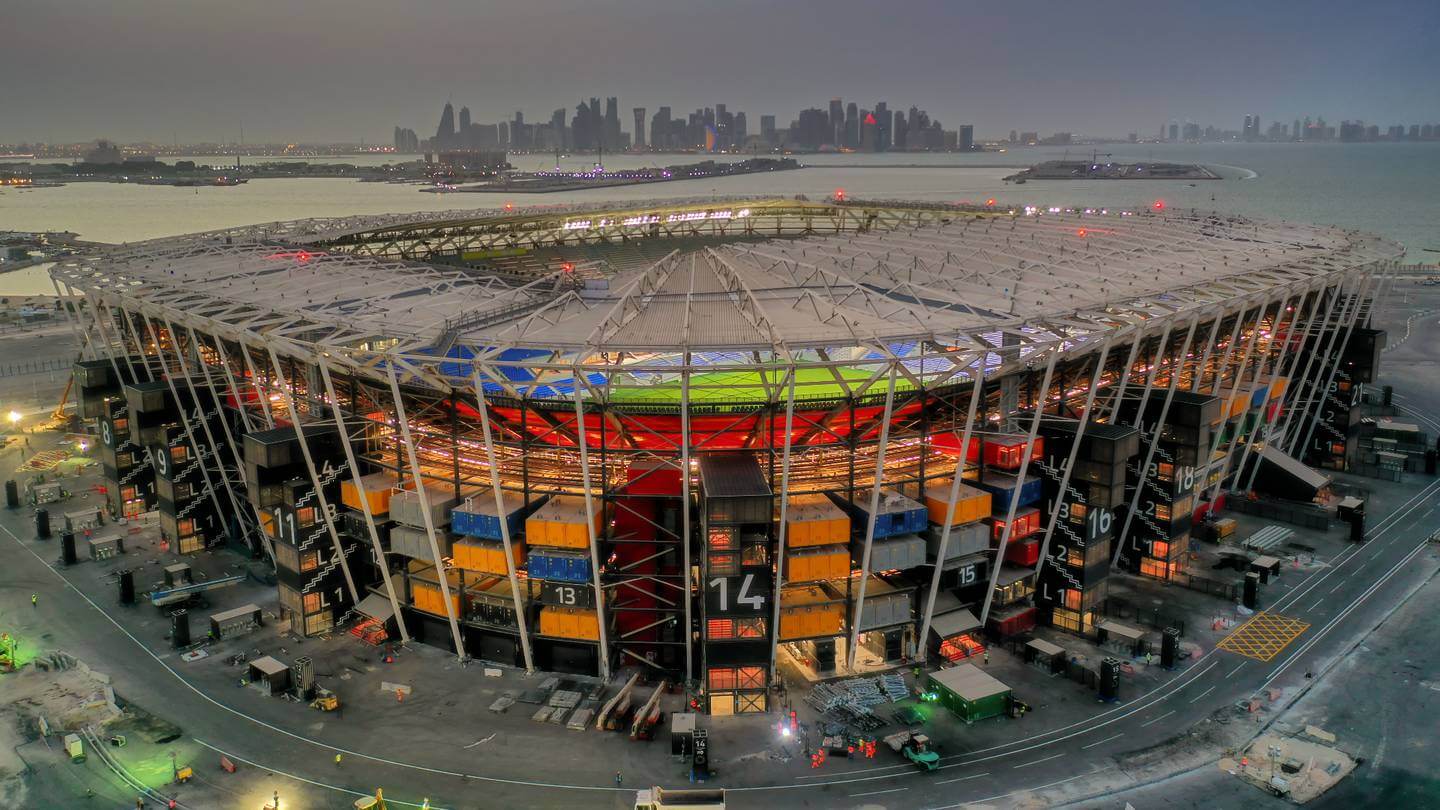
(878,792)
(1038,761)
(1346,612)
(962,778)
(1202,694)
(1338,586)
(1232,672)
(972,802)
(1316,605)
(1102,742)
(336,788)
(286,732)
(1157,719)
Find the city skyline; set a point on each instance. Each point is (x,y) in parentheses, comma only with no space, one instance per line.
(325,76)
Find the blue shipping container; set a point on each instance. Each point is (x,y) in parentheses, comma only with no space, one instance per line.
(559,567)
(476,516)
(897,514)
(1002,487)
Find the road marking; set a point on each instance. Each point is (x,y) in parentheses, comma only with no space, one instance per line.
(1158,719)
(1202,694)
(962,778)
(1338,586)
(1237,668)
(1263,636)
(1317,603)
(878,792)
(325,785)
(1102,742)
(1038,761)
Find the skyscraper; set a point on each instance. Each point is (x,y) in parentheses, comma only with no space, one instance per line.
(612,124)
(445,133)
(837,122)
(852,125)
(464,120)
(966,140)
(767,129)
(639,140)
(741,131)
(884,125)
(660,129)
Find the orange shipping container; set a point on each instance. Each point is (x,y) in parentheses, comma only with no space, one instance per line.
(971,505)
(429,598)
(808,612)
(487,556)
(376,489)
(560,523)
(815,520)
(827,562)
(575,623)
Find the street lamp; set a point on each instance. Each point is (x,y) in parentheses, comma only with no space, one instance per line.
(14,417)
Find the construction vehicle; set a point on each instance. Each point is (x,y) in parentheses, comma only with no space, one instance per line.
(376,802)
(325,700)
(914,747)
(184,775)
(649,716)
(7,652)
(658,798)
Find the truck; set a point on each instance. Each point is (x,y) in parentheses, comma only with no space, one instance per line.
(74,747)
(916,748)
(658,798)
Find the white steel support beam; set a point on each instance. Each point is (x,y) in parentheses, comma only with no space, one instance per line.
(1112,407)
(72,317)
(262,394)
(1041,396)
(1362,285)
(504,524)
(1224,462)
(189,432)
(1123,538)
(977,394)
(109,347)
(880,450)
(1276,367)
(1084,422)
(1198,375)
(685,560)
(784,518)
(1254,379)
(1154,370)
(1289,374)
(370,530)
(1300,387)
(590,528)
(418,477)
(235,500)
(288,394)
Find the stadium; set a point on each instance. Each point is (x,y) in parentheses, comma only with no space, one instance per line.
(712,438)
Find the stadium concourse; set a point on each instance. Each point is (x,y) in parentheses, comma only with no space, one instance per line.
(699,436)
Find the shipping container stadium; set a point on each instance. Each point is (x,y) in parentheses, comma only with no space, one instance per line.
(699,436)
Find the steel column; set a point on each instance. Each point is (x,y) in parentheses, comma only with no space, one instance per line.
(1084,421)
(879,479)
(1015,497)
(504,524)
(1298,390)
(355,476)
(784,514)
(289,394)
(1362,284)
(590,525)
(1123,537)
(977,394)
(1224,462)
(685,540)
(414,459)
(1275,371)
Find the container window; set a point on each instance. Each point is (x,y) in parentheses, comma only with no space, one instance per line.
(723,539)
(312,602)
(726,564)
(305,516)
(310,560)
(750,677)
(1072,599)
(179,453)
(720,629)
(185,528)
(755,554)
(721,678)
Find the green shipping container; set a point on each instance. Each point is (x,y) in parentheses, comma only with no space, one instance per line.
(970,693)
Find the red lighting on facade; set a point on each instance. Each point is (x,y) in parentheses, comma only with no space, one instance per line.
(509,206)
(840,194)
(1159,205)
(301,256)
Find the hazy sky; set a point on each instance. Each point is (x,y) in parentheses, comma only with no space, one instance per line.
(329,70)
